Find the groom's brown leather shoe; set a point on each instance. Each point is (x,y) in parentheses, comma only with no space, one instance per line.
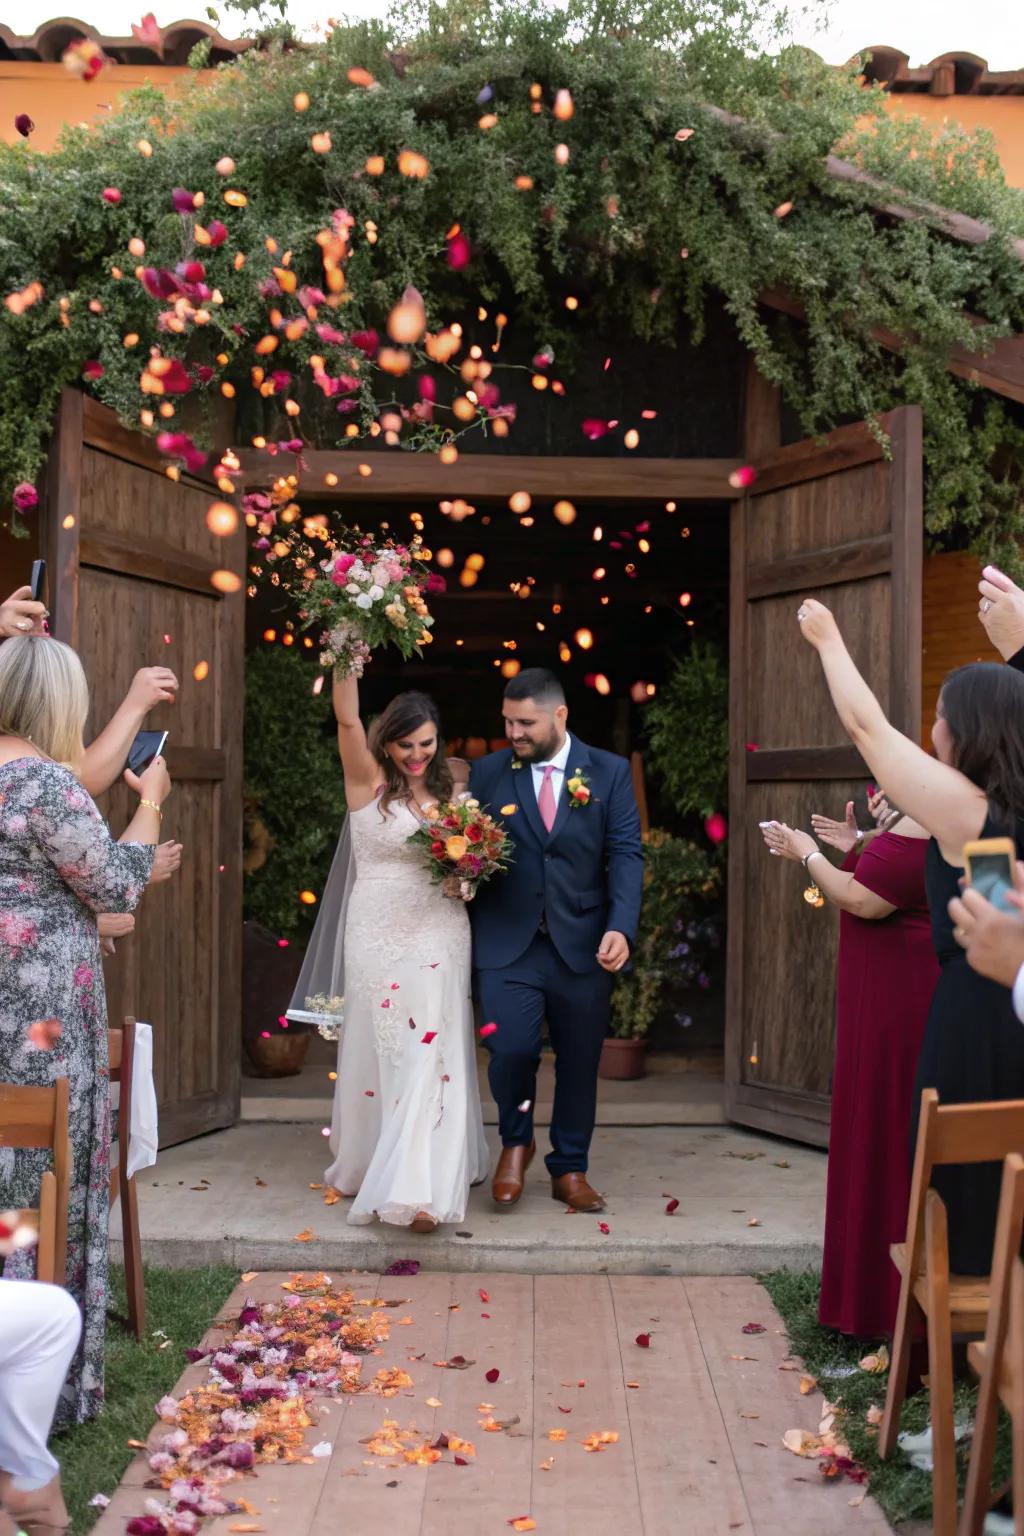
(573,1190)
(510,1172)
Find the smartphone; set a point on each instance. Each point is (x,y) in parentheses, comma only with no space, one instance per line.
(146,746)
(991,866)
(38,581)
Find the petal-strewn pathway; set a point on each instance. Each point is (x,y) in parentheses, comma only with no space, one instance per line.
(574,1425)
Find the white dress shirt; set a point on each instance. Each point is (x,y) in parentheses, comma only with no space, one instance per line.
(558,763)
(1018,995)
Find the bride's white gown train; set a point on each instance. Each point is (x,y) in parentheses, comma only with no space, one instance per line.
(406,1129)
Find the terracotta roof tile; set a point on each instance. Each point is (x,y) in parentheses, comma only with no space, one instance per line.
(951,74)
(46,44)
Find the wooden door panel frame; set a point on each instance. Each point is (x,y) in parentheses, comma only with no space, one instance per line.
(84,424)
(804,1115)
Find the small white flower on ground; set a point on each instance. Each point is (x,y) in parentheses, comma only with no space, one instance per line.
(323,1449)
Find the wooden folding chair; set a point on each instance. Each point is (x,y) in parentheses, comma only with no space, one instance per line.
(949,1304)
(121,1047)
(36,1119)
(988,1356)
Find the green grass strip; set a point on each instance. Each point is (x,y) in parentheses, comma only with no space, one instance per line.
(180,1305)
(903,1492)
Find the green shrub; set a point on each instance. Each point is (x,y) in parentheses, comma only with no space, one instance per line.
(678,933)
(687,730)
(294,792)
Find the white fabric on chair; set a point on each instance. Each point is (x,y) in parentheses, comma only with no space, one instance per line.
(143,1134)
(39,1331)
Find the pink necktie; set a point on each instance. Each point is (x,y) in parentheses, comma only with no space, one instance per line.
(546,798)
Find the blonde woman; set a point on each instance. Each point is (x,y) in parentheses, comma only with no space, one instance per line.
(60,868)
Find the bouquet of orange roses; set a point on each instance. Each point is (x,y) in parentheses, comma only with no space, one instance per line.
(463,846)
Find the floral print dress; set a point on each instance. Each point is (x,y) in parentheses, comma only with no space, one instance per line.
(59,867)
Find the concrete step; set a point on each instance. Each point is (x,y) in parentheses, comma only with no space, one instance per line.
(747,1203)
(669,1095)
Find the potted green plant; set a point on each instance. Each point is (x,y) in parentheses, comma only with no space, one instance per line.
(294,805)
(677,934)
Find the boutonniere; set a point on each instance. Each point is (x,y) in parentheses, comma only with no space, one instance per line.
(516,764)
(578,788)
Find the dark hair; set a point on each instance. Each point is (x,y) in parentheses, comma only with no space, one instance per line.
(983,706)
(536,683)
(407,712)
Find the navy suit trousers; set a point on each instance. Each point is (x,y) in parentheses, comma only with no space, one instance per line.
(518,998)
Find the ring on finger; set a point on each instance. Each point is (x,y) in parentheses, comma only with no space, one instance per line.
(986,604)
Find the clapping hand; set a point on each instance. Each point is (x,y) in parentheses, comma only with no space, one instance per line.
(166,862)
(842,835)
(1001,611)
(788,842)
(882,813)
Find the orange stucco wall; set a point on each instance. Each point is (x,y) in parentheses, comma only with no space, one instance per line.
(52,97)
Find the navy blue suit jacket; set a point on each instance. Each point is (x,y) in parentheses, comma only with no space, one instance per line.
(585,877)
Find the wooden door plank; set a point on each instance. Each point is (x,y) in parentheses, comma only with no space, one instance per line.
(788,763)
(800,1503)
(814,568)
(739,836)
(575,1341)
(64,517)
(686,1472)
(597,477)
(906,493)
(355,1496)
(463,1501)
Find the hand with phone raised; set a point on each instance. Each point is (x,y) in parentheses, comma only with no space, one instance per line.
(21,615)
(153,784)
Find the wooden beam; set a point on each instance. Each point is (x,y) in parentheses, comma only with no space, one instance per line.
(101,429)
(796,764)
(415,476)
(821,568)
(811,458)
(1001,370)
(148,560)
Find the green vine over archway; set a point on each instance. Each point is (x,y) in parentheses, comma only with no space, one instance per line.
(472,86)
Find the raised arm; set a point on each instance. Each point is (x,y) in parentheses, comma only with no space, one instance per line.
(1001,611)
(937,796)
(104,759)
(362,772)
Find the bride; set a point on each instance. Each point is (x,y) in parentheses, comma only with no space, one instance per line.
(406,1129)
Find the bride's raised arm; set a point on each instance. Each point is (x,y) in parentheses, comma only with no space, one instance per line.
(362,773)
(937,796)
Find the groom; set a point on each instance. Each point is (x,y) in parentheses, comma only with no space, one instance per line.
(549,934)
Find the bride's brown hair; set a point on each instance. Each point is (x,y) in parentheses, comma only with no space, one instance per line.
(406,713)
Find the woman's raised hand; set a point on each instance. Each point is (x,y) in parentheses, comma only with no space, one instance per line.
(1001,611)
(842,835)
(787,842)
(882,813)
(817,624)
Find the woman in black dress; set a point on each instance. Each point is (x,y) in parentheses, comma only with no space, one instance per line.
(973,1046)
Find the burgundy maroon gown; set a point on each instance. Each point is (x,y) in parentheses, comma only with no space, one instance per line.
(887,973)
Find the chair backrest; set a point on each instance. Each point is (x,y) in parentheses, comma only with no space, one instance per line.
(33,1117)
(121,1050)
(957,1133)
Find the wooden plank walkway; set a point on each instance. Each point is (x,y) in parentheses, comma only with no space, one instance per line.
(699,1416)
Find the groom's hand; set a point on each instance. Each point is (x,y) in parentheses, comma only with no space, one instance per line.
(614,951)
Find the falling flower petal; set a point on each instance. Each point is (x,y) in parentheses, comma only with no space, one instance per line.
(23,124)
(492,1375)
(604,1227)
(754,1328)
(45,1033)
(742,477)
(430,1036)
(644,1340)
(149,34)
(672,1207)
(488,1029)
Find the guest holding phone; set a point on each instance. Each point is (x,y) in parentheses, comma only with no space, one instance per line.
(885,978)
(21,614)
(973,788)
(59,868)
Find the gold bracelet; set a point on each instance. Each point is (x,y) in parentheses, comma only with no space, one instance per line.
(153,807)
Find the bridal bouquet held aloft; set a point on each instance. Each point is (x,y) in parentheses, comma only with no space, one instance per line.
(363,593)
(463,846)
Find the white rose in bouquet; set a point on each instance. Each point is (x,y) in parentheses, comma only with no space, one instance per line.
(364,601)
(375,593)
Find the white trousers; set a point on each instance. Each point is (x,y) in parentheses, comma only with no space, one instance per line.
(39,1331)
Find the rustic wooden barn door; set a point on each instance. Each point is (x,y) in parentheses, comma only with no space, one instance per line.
(839,520)
(130,560)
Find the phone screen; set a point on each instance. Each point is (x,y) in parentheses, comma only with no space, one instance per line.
(992,876)
(146,746)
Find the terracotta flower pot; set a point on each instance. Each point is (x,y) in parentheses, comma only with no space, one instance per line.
(279,1055)
(623,1059)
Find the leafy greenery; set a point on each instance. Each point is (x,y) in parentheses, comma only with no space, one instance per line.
(294,793)
(904,1492)
(180,1306)
(677,934)
(607,226)
(687,731)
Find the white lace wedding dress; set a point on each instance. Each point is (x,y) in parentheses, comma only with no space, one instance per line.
(406,1133)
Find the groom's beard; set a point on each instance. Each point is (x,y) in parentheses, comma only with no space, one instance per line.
(537,752)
